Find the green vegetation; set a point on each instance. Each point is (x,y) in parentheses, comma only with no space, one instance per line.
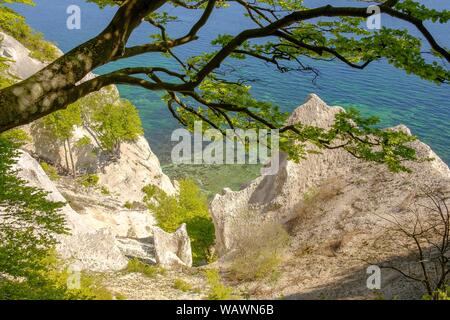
(151,271)
(286,33)
(213,178)
(30,224)
(22,247)
(439,294)
(189,207)
(105,191)
(17,136)
(116,123)
(84,141)
(60,125)
(218,290)
(182,285)
(14,24)
(50,170)
(109,126)
(89,180)
(128,205)
(52,283)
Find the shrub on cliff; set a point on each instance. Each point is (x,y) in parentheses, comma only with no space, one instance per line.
(116,123)
(30,223)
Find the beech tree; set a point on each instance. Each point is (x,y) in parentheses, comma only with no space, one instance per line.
(195,88)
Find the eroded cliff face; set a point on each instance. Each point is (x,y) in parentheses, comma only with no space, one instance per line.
(21,65)
(337,210)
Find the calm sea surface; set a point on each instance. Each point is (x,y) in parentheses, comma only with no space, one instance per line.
(380,89)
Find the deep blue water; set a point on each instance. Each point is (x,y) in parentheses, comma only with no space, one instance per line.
(380,89)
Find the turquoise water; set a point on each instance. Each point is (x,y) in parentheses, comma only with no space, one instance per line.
(378,90)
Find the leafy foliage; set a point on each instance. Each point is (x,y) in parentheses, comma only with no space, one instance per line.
(50,170)
(116,123)
(51,283)
(439,294)
(136,265)
(89,180)
(29,226)
(290,35)
(190,207)
(30,222)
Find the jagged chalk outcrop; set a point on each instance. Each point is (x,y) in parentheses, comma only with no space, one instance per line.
(363,185)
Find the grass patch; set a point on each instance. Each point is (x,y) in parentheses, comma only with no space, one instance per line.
(314,199)
(136,265)
(50,170)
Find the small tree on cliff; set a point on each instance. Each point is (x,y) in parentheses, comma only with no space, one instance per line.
(283,33)
(61,125)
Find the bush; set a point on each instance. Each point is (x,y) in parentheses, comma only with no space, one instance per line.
(439,294)
(50,170)
(218,290)
(18,136)
(89,180)
(259,249)
(189,207)
(105,191)
(182,285)
(51,283)
(30,222)
(136,265)
(82,142)
(314,199)
(133,205)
